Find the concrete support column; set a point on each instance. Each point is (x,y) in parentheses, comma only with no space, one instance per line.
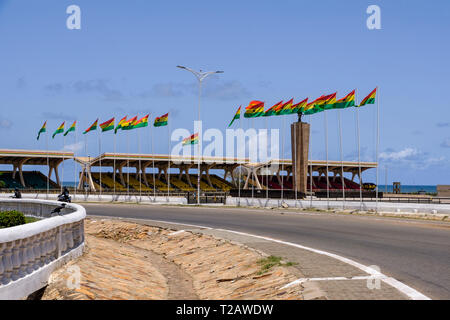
(300,132)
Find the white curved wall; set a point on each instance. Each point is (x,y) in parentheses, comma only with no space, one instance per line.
(29,253)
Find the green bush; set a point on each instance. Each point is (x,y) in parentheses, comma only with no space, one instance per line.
(11,219)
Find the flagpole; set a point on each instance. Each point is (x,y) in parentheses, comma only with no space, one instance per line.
(140,173)
(100,155)
(342,159)
(267,173)
(62,174)
(240,167)
(75,166)
(128,164)
(378,143)
(85,166)
(282,156)
(311,169)
(359,157)
(326,153)
(114,165)
(153,165)
(48,165)
(168,170)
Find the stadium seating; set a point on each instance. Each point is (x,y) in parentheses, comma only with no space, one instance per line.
(220,184)
(33,180)
(180,184)
(108,181)
(203,185)
(136,185)
(159,184)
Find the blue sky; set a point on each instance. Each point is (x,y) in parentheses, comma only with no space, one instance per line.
(123,62)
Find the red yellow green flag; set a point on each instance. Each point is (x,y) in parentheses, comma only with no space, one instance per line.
(59,130)
(42,130)
(254,109)
(272,111)
(191,140)
(236,116)
(345,102)
(141,123)
(286,108)
(161,121)
(92,127)
(121,122)
(298,108)
(370,99)
(129,124)
(72,128)
(329,102)
(107,125)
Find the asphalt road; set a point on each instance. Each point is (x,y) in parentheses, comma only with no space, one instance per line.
(416,253)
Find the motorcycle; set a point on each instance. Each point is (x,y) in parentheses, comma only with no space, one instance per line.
(64,198)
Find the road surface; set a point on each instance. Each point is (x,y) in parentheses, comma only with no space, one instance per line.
(414,252)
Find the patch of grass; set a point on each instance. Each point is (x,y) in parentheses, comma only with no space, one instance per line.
(31,219)
(272,261)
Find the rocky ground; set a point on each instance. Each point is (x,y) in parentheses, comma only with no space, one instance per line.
(134,261)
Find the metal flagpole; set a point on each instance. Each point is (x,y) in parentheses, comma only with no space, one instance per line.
(75,166)
(282,157)
(128,164)
(359,158)
(326,153)
(48,165)
(100,155)
(342,159)
(267,168)
(153,164)
(114,167)
(311,169)
(168,167)
(64,158)
(293,170)
(240,166)
(85,166)
(378,142)
(140,172)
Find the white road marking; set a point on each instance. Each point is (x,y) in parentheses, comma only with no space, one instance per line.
(413,294)
(301,280)
(176,232)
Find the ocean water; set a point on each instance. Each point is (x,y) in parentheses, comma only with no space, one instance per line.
(409,188)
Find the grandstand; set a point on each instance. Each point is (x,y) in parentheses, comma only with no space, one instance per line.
(273,175)
(17,178)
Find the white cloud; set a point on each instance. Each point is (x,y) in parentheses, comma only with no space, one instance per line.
(75,147)
(406,153)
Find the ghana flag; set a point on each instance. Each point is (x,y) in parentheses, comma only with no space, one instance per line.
(315,106)
(329,102)
(345,102)
(59,130)
(370,99)
(141,123)
(161,121)
(92,127)
(108,125)
(285,109)
(191,140)
(298,108)
(42,130)
(72,128)
(254,109)
(236,116)
(129,124)
(121,122)
(272,111)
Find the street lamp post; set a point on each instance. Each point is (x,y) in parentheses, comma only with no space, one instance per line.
(200,75)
